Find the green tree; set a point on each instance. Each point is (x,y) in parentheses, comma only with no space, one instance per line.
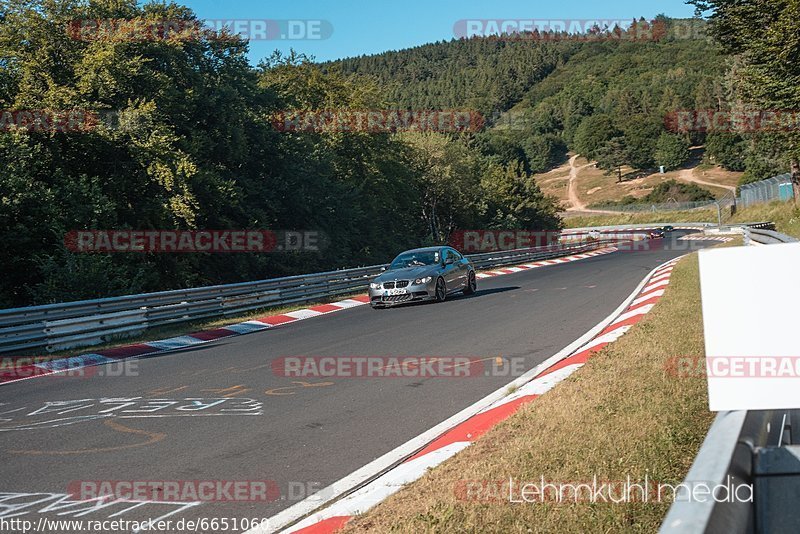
(641,134)
(449,175)
(675,191)
(593,134)
(672,151)
(727,149)
(511,199)
(543,152)
(762,35)
(612,156)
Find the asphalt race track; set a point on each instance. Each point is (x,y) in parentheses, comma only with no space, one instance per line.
(300,434)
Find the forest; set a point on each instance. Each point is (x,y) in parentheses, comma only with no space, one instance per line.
(185,140)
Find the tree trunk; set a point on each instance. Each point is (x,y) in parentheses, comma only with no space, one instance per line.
(434,226)
(795,170)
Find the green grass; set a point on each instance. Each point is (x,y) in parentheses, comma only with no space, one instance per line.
(704,215)
(784,214)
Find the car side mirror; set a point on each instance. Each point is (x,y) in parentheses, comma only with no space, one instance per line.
(449,261)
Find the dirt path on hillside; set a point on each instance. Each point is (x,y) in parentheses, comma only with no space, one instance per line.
(577,205)
(687,175)
(572,190)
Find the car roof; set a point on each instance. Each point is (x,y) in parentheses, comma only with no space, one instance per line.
(425,249)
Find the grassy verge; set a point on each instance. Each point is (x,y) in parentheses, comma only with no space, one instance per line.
(621,415)
(641,218)
(785,216)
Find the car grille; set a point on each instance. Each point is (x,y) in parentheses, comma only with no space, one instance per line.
(398,284)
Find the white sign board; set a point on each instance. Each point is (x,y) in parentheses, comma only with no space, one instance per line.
(751,317)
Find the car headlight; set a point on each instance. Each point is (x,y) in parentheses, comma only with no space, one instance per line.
(425,280)
(374,285)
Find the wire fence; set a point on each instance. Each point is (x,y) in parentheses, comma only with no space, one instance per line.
(775,188)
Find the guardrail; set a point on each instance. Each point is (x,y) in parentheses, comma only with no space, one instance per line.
(725,458)
(759,448)
(90,322)
(755,236)
(643,226)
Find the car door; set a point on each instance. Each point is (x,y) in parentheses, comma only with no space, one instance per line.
(463,268)
(451,270)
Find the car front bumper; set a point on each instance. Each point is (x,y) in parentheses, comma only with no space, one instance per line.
(414,293)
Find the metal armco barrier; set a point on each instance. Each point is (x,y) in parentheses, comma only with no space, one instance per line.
(90,322)
(757,448)
(648,226)
(765,237)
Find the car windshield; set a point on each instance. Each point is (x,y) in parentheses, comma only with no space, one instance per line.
(415,259)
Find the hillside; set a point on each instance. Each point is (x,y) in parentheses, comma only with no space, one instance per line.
(580,186)
(487,75)
(605,99)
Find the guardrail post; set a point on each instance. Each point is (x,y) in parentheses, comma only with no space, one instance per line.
(777,489)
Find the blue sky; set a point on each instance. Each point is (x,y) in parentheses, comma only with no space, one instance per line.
(366,27)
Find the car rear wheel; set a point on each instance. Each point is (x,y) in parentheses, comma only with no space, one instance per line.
(472,284)
(441,290)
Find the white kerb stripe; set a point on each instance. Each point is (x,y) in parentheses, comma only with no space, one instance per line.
(303,314)
(174,342)
(381,488)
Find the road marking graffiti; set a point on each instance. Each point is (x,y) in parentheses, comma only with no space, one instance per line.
(298,385)
(228,392)
(60,504)
(125,408)
(153,437)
